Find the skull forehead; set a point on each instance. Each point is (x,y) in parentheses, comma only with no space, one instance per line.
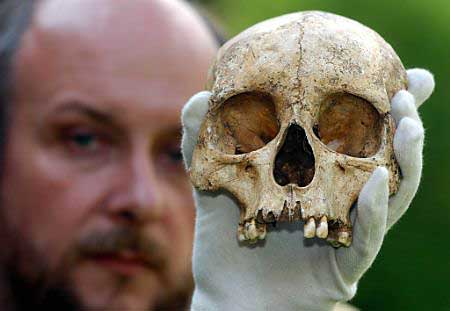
(315,51)
(259,61)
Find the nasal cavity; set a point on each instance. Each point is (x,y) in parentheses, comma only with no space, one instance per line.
(294,163)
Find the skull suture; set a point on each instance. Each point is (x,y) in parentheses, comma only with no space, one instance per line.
(298,120)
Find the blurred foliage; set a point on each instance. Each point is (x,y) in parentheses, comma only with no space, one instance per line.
(412,271)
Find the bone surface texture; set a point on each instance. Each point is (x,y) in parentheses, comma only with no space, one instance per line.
(298,120)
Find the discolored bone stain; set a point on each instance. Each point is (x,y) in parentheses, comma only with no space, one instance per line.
(295,162)
(250,120)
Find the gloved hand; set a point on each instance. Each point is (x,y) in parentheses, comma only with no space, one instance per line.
(288,272)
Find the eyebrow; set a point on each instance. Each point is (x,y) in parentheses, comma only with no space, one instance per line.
(84,109)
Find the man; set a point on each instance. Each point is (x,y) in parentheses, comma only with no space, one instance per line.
(96,210)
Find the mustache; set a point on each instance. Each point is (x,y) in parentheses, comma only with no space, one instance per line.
(123,239)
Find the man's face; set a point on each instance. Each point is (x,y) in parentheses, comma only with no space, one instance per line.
(95,196)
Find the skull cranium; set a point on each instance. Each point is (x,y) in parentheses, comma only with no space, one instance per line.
(297,122)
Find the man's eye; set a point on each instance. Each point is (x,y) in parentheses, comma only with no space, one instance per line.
(84,140)
(81,141)
(175,155)
(171,159)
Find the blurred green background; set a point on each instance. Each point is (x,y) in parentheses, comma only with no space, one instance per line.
(412,271)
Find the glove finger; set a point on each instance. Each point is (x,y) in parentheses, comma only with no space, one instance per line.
(191,118)
(420,84)
(403,105)
(369,228)
(408,146)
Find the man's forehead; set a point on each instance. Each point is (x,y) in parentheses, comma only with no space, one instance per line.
(169,24)
(138,44)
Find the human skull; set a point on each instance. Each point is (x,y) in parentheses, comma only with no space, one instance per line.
(297,122)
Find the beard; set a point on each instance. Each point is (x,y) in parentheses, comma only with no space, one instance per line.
(40,293)
(27,281)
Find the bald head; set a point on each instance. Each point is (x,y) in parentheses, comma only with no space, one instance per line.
(164,38)
(169,24)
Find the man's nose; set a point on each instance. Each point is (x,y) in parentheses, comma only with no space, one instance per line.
(136,198)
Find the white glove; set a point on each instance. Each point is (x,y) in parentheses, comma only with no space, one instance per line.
(288,272)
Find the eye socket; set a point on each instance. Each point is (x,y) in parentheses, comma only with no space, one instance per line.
(350,125)
(248,122)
